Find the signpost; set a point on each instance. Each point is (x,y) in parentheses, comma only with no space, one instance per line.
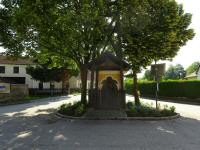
(4,88)
(157,70)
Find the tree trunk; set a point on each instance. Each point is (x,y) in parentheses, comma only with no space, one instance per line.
(84,73)
(65,82)
(92,80)
(51,88)
(135,89)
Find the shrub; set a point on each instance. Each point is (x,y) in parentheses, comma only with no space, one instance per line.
(129,105)
(169,88)
(172,109)
(77,109)
(75,91)
(65,108)
(147,110)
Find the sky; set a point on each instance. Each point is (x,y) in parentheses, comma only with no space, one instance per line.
(191,51)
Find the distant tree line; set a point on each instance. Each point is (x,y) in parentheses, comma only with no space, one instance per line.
(174,72)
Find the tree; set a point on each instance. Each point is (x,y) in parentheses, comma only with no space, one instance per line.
(139,31)
(130,21)
(44,74)
(148,76)
(163,32)
(175,72)
(192,68)
(47,72)
(67,29)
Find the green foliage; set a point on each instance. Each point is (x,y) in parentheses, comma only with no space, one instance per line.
(154,30)
(129,105)
(193,68)
(163,31)
(142,31)
(136,21)
(175,72)
(172,109)
(47,71)
(147,110)
(170,88)
(129,86)
(68,30)
(77,109)
(80,110)
(148,76)
(44,74)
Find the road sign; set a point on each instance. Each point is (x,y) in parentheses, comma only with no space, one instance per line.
(4,88)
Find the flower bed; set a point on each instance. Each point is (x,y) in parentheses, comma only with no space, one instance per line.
(76,109)
(143,111)
(147,110)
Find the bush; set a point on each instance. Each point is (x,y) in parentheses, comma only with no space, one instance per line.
(77,109)
(169,88)
(146,110)
(75,91)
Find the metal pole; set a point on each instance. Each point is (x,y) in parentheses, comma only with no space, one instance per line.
(157,83)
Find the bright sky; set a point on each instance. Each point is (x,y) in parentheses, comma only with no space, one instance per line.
(191,52)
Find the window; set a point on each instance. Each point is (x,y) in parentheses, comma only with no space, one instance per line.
(2,69)
(15,69)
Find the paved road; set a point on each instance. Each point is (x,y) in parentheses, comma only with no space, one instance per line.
(32,126)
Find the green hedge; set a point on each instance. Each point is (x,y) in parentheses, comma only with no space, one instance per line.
(169,88)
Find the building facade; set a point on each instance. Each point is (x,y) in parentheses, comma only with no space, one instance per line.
(198,73)
(14,72)
(194,76)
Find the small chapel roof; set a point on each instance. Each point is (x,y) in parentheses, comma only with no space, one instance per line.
(108,61)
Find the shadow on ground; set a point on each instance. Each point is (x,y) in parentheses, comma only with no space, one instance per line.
(42,102)
(44,131)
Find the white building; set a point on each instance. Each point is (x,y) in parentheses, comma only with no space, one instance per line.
(198,73)
(194,76)
(14,71)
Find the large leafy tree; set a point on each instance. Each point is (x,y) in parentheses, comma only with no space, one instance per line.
(175,72)
(141,31)
(130,18)
(163,32)
(68,29)
(193,68)
(169,30)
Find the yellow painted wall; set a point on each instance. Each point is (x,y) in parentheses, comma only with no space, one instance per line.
(104,74)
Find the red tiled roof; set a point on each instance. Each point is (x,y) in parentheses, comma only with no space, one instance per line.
(15,61)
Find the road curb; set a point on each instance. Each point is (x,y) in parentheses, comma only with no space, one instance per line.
(118,118)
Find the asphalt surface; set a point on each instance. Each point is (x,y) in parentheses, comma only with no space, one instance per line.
(33,126)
